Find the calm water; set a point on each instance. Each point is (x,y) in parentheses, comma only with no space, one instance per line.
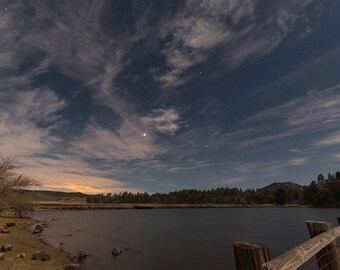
(178,239)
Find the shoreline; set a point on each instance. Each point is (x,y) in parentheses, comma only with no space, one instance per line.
(83,206)
(24,241)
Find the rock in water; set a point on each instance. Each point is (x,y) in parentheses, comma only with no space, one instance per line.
(116,251)
(73,266)
(41,256)
(82,254)
(10,224)
(38,229)
(5,231)
(2,256)
(6,248)
(44,224)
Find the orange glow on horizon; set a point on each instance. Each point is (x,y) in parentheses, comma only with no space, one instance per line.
(79,183)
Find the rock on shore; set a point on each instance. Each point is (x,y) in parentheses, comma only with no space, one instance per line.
(6,248)
(41,256)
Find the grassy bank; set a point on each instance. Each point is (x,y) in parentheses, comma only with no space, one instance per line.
(26,242)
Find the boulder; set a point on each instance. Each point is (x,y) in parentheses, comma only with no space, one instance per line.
(116,251)
(38,229)
(73,266)
(2,256)
(82,254)
(6,248)
(10,224)
(41,256)
(6,230)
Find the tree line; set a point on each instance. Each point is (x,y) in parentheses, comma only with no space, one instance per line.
(320,192)
(233,196)
(323,191)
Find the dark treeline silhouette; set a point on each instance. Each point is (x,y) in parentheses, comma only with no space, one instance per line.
(324,191)
(321,192)
(280,193)
(189,196)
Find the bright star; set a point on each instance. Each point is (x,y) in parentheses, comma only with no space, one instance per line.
(144,134)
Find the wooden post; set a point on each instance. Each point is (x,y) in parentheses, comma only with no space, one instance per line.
(328,258)
(250,255)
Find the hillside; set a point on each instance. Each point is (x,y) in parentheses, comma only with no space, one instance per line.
(285,192)
(56,196)
(272,188)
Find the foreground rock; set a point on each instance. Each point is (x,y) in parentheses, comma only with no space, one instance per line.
(38,229)
(2,256)
(116,251)
(10,224)
(6,230)
(41,256)
(6,248)
(73,266)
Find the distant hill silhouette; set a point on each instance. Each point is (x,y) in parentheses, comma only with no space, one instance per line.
(285,192)
(47,195)
(283,185)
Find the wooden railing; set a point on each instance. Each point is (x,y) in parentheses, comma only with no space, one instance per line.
(255,256)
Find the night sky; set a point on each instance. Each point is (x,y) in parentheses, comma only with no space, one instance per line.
(156,96)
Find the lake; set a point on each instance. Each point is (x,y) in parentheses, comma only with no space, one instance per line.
(178,239)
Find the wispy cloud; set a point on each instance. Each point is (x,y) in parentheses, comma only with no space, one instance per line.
(314,108)
(233,26)
(230,181)
(316,111)
(22,113)
(336,156)
(128,143)
(298,161)
(198,166)
(330,140)
(72,173)
(164,121)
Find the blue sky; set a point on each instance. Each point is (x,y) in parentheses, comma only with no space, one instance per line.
(108,96)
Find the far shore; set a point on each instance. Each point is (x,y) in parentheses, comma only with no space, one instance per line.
(24,241)
(92,206)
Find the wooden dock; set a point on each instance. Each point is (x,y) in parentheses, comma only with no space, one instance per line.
(323,245)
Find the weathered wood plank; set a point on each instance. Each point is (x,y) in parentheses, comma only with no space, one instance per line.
(327,258)
(250,255)
(294,258)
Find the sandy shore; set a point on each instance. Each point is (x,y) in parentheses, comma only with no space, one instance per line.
(26,242)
